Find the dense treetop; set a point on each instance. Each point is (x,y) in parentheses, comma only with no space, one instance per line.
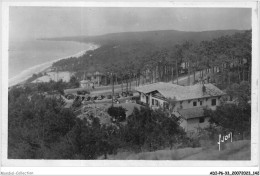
(136,48)
(230,55)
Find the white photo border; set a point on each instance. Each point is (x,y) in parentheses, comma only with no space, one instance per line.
(132,163)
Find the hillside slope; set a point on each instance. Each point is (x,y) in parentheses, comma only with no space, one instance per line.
(162,37)
(238,150)
(130,55)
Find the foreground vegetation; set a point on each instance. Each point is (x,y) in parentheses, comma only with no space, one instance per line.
(40,127)
(237,150)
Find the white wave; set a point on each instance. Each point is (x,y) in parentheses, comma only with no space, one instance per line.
(24,75)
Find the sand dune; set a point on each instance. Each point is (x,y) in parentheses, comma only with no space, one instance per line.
(55,76)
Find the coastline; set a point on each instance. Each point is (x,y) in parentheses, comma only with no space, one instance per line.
(41,68)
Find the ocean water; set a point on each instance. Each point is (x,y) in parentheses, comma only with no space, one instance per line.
(33,56)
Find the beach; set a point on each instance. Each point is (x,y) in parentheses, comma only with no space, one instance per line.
(55,76)
(44,67)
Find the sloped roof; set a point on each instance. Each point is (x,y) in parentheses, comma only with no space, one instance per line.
(156,86)
(192,113)
(169,90)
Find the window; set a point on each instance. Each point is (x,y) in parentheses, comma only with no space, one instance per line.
(202,119)
(194,103)
(200,103)
(156,103)
(213,102)
(152,101)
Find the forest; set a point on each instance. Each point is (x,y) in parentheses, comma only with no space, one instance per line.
(223,61)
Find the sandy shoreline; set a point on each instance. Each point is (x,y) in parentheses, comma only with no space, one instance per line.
(41,68)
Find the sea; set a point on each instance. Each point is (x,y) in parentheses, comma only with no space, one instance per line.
(33,56)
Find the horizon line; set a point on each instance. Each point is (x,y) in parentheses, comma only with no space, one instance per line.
(69,36)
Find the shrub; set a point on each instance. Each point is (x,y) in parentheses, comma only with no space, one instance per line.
(151,130)
(76,103)
(118,113)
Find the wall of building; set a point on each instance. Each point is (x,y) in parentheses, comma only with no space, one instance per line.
(186,104)
(84,85)
(87,85)
(150,99)
(189,104)
(192,125)
(160,102)
(142,97)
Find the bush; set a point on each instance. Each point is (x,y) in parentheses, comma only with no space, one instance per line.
(76,103)
(151,130)
(118,113)
(74,82)
(231,118)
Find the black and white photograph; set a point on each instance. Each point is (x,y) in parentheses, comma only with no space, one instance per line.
(130,83)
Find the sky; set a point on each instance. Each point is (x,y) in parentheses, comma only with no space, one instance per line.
(41,22)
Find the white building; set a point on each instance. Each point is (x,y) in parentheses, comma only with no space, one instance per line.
(94,77)
(86,84)
(190,101)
